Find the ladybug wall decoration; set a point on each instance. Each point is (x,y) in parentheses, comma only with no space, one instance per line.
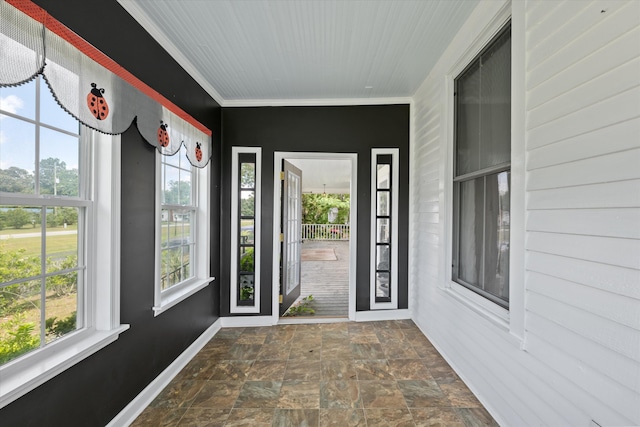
(96,103)
(163,135)
(198,152)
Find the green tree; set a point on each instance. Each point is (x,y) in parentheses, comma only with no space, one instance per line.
(247,206)
(61,216)
(14,265)
(56,179)
(179,193)
(18,338)
(17,218)
(315,208)
(16,180)
(248,175)
(62,284)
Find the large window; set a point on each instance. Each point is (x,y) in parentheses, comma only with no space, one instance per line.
(182,264)
(49,244)
(482,172)
(42,221)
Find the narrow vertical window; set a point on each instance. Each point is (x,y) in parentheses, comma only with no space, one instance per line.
(383,229)
(482,172)
(384,218)
(245,229)
(245,241)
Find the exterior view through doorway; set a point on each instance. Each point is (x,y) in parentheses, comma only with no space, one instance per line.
(314,257)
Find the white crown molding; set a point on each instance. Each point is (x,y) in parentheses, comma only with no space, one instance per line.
(143,19)
(315,102)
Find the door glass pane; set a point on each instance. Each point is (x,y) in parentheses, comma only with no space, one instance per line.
(382,257)
(383,203)
(382,285)
(247,236)
(471,224)
(247,260)
(384,176)
(248,175)
(497,225)
(247,203)
(246,287)
(382,230)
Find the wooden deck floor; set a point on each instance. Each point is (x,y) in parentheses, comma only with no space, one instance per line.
(327,281)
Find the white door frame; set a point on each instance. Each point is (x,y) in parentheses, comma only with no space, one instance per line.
(278,156)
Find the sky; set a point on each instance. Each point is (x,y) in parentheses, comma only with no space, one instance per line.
(17,137)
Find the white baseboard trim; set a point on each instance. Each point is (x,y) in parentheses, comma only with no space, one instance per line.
(146,396)
(311,320)
(464,378)
(373,315)
(246,321)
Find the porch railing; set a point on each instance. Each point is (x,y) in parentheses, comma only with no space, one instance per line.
(325,232)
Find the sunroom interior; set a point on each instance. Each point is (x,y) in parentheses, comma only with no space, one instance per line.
(494,181)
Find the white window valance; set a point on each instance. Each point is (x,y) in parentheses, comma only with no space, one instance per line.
(89,85)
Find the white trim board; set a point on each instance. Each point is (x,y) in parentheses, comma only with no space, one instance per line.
(375,315)
(257,230)
(146,396)
(246,321)
(315,102)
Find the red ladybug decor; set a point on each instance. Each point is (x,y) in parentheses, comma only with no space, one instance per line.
(163,135)
(198,152)
(96,103)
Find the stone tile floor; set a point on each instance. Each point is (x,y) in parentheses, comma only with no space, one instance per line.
(334,374)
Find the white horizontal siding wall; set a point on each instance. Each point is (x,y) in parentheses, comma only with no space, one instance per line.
(576,355)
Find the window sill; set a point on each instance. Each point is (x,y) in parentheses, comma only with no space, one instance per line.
(183,292)
(33,370)
(487,309)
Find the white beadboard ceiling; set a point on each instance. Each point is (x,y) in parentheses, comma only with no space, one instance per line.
(305,52)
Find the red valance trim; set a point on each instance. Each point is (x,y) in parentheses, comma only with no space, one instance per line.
(39,14)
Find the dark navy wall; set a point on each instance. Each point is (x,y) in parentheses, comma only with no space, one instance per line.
(347,129)
(92,392)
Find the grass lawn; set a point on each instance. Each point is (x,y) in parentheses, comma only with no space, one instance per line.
(65,244)
(29,229)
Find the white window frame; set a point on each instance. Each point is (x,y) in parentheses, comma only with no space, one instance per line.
(101,299)
(394,189)
(511,320)
(233,300)
(163,300)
